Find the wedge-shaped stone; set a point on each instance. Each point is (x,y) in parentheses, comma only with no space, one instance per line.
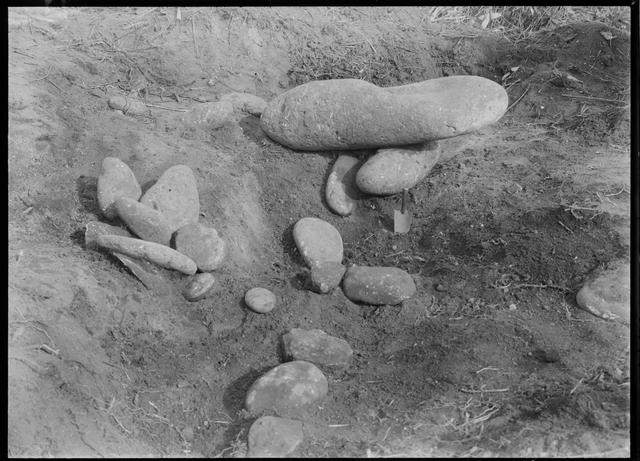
(116,180)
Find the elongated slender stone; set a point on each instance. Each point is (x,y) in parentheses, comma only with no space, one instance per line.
(144,221)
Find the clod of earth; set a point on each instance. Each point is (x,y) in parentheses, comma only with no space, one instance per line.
(317,241)
(285,387)
(391,170)
(175,194)
(116,180)
(260,300)
(317,347)
(325,276)
(378,285)
(128,105)
(202,244)
(341,192)
(199,286)
(274,437)
(210,114)
(246,102)
(607,294)
(354,114)
(153,252)
(144,221)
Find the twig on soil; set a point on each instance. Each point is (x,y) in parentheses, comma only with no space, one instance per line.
(193,32)
(576,386)
(530,285)
(42,78)
(33,365)
(624,189)
(591,97)
(518,100)
(482,391)
(167,108)
(487,368)
(563,225)
(338,425)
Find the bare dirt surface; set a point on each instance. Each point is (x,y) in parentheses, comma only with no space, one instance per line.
(492,357)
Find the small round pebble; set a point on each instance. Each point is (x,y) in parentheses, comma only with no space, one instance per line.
(199,286)
(260,300)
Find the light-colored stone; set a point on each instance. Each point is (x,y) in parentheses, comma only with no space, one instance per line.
(317,241)
(325,276)
(246,102)
(354,114)
(210,114)
(260,300)
(144,221)
(317,347)
(175,195)
(127,105)
(378,285)
(607,294)
(153,252)
(199,286)
(95,228)
(273,437)
(285,387)
(116,180)
(341,192)
(202,244)
(391,170)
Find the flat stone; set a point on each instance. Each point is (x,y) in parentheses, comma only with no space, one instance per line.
(199,286)
(175,195)
(378,285)
(285,387)
(260,300)
(341,192)
(116,180)
(212,115)
(246,102)
(127,105)
(607,294)
(318,241)
(150,251)
(274,437)
(202,244)
(391,170)
(354,114)
(317,347)
(325,276)
(144,221)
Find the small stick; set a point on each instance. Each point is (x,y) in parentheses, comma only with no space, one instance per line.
(41,78)
(576,386)
(193,31)
(562,224)
(481,391)
(518,100)
(167,108)
(338,425)
(123,428)
(529,285)
(591,97)
(487,368)
(624,189)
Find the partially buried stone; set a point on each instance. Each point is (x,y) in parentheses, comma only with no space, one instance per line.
(150,251)
(128,106)
(341,192)
(202,244)
(389,171)
(286,387)
(116,180)
(274,437)
(260,300)
(212,115)
(325,276)
(317,347)
(144,221)
(378,285)
(607,294)
(175,195)
(246,102)
(199,286)
(318,241)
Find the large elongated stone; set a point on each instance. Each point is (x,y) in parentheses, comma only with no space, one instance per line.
(378,285)
(354,114)
(318,241)
(175,195)
(144,221)
(390,170)
(341,192)
(116,180)
(287,387)
(153,252)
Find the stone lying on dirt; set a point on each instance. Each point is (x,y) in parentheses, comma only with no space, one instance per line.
(286,387)
(202,244)
(390,170)
(175,195)
(273,437)
(199,286)
(354,114)
(318,241)
(246,102)
(210,114)
(153,252)
(607,294)
(145,271)
(325,276)
(317,347)
(341,192)
(378,285)
(116,180)
(260,300)
(128,105)
(144,221)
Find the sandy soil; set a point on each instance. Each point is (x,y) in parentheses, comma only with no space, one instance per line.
(491,358)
